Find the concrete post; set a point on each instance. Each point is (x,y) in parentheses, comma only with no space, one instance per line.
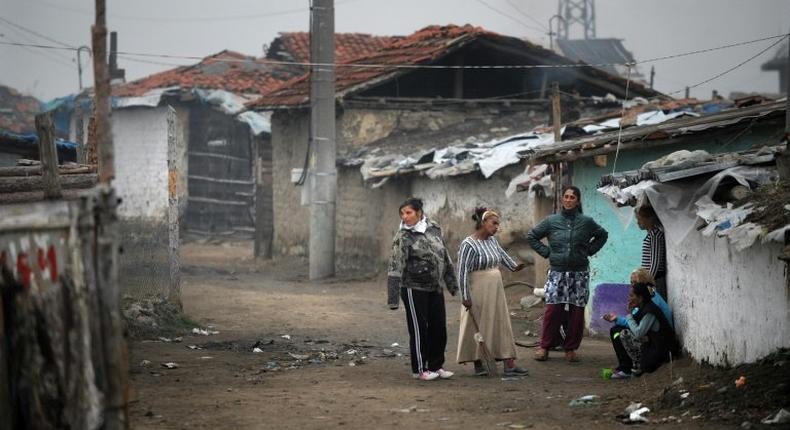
(323,176)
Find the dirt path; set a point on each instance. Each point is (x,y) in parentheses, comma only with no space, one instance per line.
(339,368)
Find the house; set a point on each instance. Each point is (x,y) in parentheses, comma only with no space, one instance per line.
(726,221)
(649,133)
(410,98)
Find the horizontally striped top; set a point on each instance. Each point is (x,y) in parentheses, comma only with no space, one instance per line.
(475,254)
(654,252)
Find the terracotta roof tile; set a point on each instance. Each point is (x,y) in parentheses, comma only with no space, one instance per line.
(17,112)
(423,47)
(295,46)
(227,70)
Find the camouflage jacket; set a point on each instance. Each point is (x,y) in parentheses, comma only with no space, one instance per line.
(419,261)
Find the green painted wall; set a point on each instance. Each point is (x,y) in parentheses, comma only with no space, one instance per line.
(622,252)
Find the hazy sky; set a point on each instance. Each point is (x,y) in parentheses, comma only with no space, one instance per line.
(651,28)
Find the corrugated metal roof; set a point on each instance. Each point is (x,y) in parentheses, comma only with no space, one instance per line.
(423,47)
(650,134)
(597,51)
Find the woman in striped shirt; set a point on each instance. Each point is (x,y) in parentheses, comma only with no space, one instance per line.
(654,248)
(483,296)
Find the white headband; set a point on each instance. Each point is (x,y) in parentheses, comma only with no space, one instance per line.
(488,213)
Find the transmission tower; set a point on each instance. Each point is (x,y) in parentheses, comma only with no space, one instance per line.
(576,12)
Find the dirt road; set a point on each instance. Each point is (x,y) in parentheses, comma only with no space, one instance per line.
(339,367)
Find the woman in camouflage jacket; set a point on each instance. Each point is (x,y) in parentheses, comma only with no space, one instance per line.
(419,272)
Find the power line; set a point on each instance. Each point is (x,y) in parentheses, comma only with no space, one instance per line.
(422,66)
(718,75)
(35,33)
(42,54)
(24,37)
(192,19)
(510,17)
(524,14)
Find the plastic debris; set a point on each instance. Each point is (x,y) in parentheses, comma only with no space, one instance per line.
(781,417)
(257,350)
(685,395)
(170,365)
(204,331)
(286,336)
(637,416)
(193,347)
(299,356)
(583,400)
(394,345)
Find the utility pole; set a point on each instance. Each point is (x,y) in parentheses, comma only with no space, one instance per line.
(557,123)
(323,175)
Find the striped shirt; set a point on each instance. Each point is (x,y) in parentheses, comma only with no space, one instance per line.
(654,252)
(475,254)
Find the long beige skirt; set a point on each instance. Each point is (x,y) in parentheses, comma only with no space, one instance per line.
(490,308)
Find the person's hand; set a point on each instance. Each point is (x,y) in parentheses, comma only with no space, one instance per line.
(521,266)
(609,316)
(467,303)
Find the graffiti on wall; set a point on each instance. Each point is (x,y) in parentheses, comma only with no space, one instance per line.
(33,260)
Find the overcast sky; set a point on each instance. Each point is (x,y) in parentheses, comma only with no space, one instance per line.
(651,28)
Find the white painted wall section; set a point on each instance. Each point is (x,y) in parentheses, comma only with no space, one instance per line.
(140,139)
(730,307)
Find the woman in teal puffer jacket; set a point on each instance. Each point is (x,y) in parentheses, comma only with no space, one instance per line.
(573,237)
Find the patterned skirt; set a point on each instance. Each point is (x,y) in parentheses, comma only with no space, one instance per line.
(568,287)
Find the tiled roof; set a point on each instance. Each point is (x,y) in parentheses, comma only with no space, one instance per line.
(17,111)
(227,70)
(423,47)
(295,46)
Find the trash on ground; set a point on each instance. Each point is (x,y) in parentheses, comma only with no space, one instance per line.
(583,400)
(286,336)
(394,345)
(145,363)
(781,417)
(170,365)
(299,356)
(193,347)
(637,416)
(530,301)
(257,350)
(204,331)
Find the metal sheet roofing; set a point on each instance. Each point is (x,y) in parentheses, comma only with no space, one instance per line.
(636,136)
(597,51)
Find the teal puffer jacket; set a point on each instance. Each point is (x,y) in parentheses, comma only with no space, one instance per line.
(573,237)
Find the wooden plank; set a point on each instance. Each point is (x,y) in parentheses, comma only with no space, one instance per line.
(217,201)
(36,170)
(36,183)
(49,156)
(219,180)
(218,156)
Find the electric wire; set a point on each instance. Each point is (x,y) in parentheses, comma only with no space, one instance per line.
(510,17)
(431,66)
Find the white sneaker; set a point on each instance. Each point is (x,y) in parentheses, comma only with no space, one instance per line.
(428,376)
(445,374)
